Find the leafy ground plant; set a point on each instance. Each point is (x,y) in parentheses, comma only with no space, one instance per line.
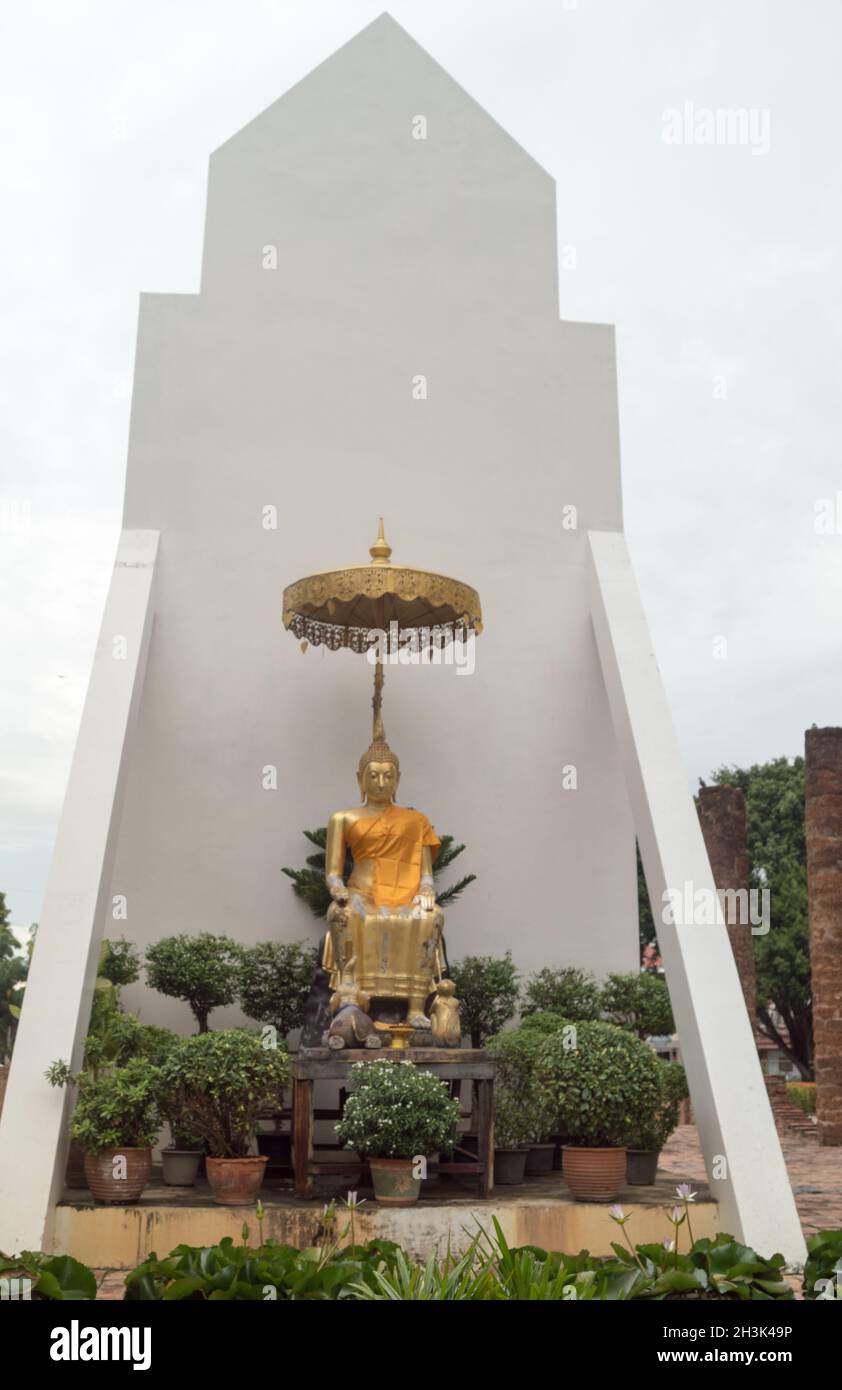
(55,1277)
(823,1270)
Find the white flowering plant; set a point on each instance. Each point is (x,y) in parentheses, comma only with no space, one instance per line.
(396,1111)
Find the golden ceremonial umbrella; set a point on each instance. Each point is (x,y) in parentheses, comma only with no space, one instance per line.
(350,607)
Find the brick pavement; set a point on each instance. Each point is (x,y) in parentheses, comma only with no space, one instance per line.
(815,1174)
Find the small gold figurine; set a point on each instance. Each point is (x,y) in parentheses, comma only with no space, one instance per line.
(444,1015)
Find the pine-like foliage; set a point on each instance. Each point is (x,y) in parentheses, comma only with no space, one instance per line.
(309,885)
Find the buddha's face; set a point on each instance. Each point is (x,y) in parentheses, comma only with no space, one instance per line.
(379,782)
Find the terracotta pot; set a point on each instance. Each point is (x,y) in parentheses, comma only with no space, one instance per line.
(539,1159)
(394,1185)
(100,1171)
(509,1167)
(641,1167)
(235,1182)
(594,1175)
(180,1166)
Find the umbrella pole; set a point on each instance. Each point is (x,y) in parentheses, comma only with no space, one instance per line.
(377,700)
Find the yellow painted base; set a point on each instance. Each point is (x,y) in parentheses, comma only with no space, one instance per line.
(120,1237)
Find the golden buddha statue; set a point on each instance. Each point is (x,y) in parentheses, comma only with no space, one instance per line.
(384,926)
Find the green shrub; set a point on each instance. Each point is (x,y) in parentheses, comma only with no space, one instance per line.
(487,987)
(603,1086)
(639,1002)
(201,970)
(117,1109)
(213,1087)
(803,1094)
(656,1130)
(521,1115)
(570,992)
(544,1022)
(396,1111)
(273,982)
(122,1037)
(119,962)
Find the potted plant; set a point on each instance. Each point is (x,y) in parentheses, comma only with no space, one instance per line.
(602,1083)
(511,1145)
(217,1084)
(394,1116)
(545,1154)
(521,1117)
(181,1158)
(273,983)
(645,1143)
(115,1123)
(201,970)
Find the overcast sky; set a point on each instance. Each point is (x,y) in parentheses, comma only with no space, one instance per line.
(718,264)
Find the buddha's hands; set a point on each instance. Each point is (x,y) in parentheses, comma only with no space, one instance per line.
(337,889)
(426,898)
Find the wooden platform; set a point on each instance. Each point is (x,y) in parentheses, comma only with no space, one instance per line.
(449,1064)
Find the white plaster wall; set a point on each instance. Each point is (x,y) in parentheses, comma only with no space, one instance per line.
(294,388)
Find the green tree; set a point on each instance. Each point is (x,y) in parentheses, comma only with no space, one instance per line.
(639,1002)
(119,962)
(201,970)
(647,930)
(13,970)
(487,987)
(774,794)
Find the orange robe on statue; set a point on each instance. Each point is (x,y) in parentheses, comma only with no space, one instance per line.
(393,839)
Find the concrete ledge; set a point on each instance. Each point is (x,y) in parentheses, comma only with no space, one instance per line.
(541,1212)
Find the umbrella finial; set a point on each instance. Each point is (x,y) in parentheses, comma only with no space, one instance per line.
(381,550)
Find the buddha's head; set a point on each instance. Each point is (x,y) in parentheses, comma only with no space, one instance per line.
(379,770)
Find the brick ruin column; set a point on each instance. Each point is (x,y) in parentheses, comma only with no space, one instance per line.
(722,814)
(823,820)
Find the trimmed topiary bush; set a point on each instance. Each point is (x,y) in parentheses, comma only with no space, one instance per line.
(273,982)
(570,992)
(201,970)
(543,1023)
(602,1087)
(488,988)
